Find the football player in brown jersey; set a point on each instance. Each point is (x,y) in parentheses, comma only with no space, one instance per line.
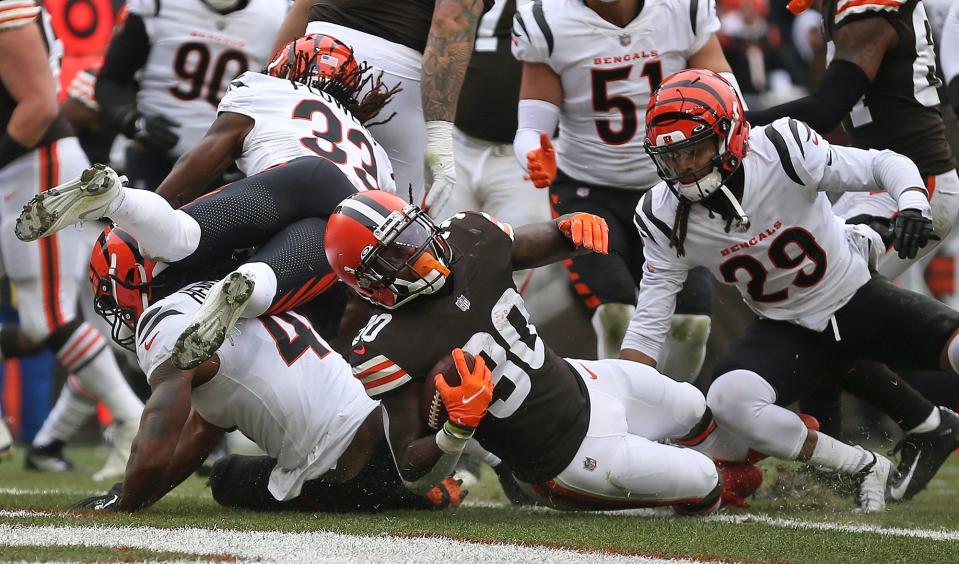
(577,433)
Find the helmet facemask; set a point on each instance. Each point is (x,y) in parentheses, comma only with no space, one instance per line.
(121,293)
(410,259)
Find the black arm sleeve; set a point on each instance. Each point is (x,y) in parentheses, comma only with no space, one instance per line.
(126,55)
(842,85)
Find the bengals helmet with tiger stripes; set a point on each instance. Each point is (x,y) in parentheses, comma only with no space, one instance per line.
(692,112)
(387,250)
(122,281)
(315,58)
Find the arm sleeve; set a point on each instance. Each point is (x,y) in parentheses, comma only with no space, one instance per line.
(842,85)
(857,170)
(17,13)
(703,21)
(531,42)
(127,54)
(663,278)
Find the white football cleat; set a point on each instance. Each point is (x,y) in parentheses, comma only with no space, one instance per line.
(874,481)
(81,199)
(121,441)
(213,321)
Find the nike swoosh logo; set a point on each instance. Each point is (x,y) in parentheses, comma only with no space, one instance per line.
(592,374)
(900,490)
(150,342)
(474,396)
(360,350)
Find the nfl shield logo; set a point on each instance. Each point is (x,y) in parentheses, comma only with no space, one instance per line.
(589,464)
(462,302)
(625,39)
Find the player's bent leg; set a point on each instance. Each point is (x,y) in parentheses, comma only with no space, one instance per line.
(251,211)
(744,403)
(243,482)
(627,471)
(655,407)
(684,350)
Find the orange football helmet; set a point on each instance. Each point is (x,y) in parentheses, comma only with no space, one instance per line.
(121,279)
(388,251)
(692,112)
(314,59)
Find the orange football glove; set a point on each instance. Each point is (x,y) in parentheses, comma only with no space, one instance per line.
(587,231)
(449,493)
(466,404)
(541,163)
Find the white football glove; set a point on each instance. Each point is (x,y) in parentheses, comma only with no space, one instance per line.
(439,157)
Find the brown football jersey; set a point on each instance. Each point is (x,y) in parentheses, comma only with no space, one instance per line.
(900,110)
(406,22)
(540,409)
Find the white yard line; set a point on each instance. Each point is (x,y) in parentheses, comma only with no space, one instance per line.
(312,547)
(930,534)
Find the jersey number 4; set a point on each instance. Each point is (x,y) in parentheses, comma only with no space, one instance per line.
(603,102)
(779,255)
(302,340)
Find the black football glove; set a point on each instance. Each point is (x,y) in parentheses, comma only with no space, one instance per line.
(106,502)
(155,131)
(911,232)
(879,224)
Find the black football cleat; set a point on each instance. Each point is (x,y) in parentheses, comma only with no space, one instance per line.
(48,458)
(922,454)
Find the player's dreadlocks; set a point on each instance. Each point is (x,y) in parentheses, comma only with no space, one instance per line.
(346,85)
(677,239)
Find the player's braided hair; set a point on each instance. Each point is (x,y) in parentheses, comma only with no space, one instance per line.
(678,237)
(346,85)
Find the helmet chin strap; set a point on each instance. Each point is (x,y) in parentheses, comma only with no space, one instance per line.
(742,222)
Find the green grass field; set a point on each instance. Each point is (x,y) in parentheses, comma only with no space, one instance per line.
(794,519)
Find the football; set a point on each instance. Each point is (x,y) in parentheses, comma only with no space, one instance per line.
(432,408)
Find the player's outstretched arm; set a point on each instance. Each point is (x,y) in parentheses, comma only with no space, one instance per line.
(294,25)
(538,244)
(161,425)
(860,48)
(200,166)
(197,440)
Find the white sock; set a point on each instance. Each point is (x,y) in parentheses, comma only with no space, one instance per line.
(164,234)
(71,411)
(684,350)
(930,423)
(610,322)
(839,456)
(87,355)
(264,288)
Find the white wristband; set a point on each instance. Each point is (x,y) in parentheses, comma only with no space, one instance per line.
(449,443)
(915,199)
(439,138)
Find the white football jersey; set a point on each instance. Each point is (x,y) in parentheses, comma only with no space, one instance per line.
(608,74)
(796,262)
(294,121)
(279,383)
(194,54)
